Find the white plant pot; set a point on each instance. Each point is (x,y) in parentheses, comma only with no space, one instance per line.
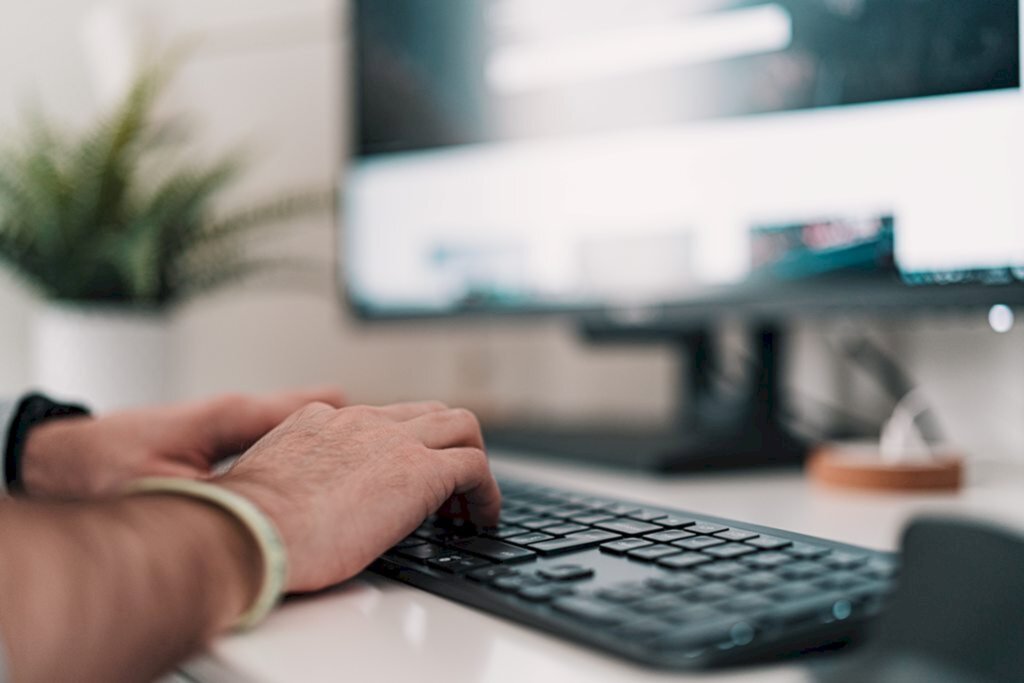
(107,358)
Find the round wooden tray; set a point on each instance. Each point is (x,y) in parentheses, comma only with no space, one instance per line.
(861,466)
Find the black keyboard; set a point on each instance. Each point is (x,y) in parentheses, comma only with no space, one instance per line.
(662,587)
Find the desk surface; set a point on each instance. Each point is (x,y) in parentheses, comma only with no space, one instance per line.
(372,629)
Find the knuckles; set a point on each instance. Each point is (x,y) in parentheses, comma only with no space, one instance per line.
(465,421)
(313,410)
(466,418)
(358,413)
(478,459)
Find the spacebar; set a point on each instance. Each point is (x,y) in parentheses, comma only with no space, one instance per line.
(492,550)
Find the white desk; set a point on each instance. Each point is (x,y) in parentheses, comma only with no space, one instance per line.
(372,629)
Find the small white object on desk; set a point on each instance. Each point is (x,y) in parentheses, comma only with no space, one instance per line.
(902,459)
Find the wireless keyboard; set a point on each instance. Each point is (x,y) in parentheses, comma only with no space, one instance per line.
(662,587)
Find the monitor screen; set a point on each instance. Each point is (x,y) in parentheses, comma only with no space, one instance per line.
(517,155)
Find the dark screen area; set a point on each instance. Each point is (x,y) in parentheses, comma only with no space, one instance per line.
(422,67)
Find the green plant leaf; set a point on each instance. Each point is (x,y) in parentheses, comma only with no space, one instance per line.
(109,215)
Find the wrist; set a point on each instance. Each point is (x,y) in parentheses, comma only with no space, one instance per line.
(265,552)
(49,456)
(239,567)
(33,411)
(222,552)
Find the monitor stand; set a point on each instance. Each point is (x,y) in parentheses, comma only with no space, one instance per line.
(713,430)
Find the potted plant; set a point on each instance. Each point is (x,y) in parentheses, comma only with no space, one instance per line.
(114,228)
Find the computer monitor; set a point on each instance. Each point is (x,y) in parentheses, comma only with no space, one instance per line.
(652,165)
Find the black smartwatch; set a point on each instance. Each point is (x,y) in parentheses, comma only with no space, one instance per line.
(32,410)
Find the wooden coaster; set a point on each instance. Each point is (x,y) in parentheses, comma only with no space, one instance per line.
(861,466)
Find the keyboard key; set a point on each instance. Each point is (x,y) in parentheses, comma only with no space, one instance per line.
(436,534)
(794,591)
(841,580)
(802,570)
(566,572)
(656,604)
(592,518)
(515,582)
(768,542)
(590,610)
(537,523)
(698,542)
(627,527)
(768,560)
(721,571)
(541,509)
(566,512)
(710,592)
(736,535)
(515,517)
(490,572)
(424,552)
(409,542)
(673,582)
(668,535)
(673,522)
(624,546)
(757,580)
(730,550)
(842,560)
(652,552)
(527,539)
(683,561)
(544,592)
(645,515)
(456,564)
(706,528)
(880,568)
(564,529)
(498,551)
(504,531)
(622,509)
(625,592)
(806,551)
(747,603)
(577,541)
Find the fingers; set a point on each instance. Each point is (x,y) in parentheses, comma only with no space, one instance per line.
(450,428)
(474,484)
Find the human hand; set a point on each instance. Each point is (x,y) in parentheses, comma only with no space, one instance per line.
(345,485)
(84,457)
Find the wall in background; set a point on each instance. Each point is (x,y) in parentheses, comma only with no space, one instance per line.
(266,72)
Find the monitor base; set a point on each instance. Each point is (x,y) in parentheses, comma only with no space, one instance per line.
(664,451)
(713,429)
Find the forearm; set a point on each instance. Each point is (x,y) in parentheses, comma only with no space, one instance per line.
(120,590)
